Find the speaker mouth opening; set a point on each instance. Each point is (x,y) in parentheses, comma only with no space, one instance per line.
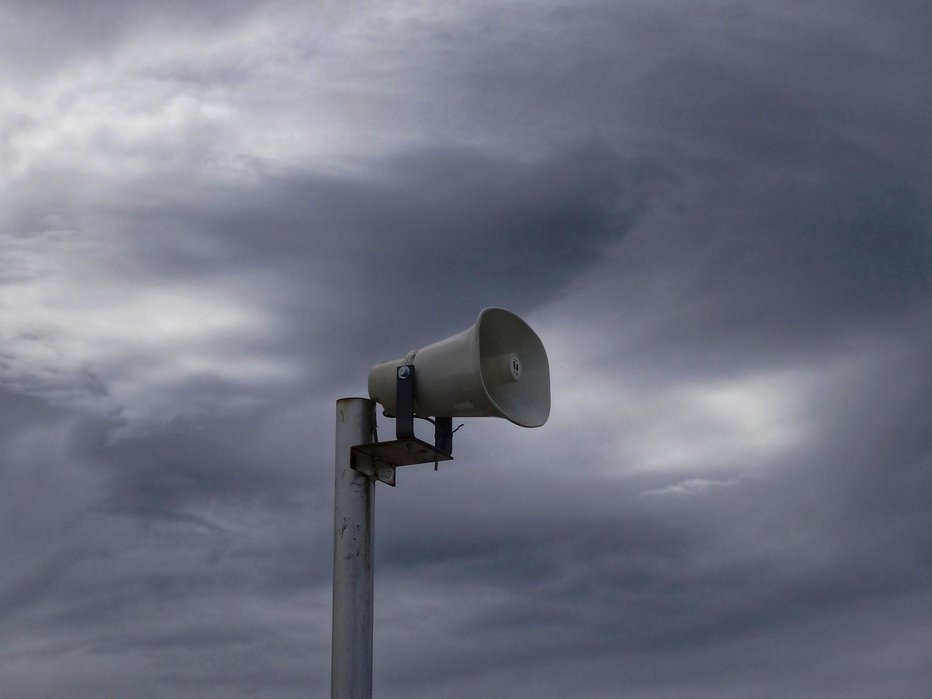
(514,369)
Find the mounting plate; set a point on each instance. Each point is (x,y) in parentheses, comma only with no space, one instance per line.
(379,459)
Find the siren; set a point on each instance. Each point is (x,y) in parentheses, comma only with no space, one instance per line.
(496,368)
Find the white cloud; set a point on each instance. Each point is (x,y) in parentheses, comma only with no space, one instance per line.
(690,425)
(80,331)
(690,487)
(720,424)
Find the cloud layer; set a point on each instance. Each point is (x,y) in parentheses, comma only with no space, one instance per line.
(216,217)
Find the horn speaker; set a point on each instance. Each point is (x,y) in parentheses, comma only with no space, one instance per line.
(496,368)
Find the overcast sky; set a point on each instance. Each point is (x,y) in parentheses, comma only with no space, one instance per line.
(215,216)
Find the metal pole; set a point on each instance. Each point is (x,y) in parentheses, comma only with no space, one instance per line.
(351,649)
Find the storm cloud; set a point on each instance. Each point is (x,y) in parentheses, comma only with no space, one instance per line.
(215,218)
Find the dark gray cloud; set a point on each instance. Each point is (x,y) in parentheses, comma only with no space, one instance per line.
(717,219)
(765,569)
(434,234)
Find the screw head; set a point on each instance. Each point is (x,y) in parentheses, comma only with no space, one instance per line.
(404,372)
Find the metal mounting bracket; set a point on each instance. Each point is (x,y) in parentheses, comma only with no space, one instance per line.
(379,459)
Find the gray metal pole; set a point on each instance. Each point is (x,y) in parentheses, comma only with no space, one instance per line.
(351,649)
